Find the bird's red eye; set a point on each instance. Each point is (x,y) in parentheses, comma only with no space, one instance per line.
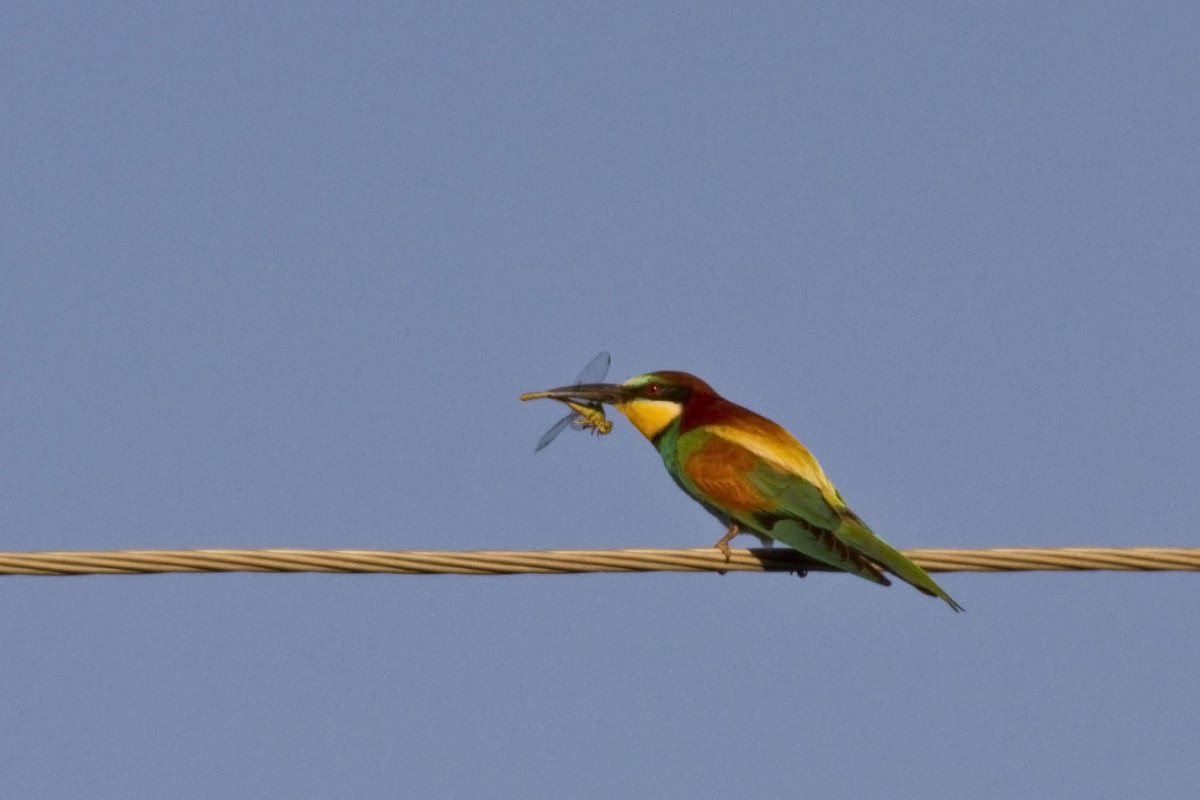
(653,388)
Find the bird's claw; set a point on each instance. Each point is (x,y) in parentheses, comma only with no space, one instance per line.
(723,545)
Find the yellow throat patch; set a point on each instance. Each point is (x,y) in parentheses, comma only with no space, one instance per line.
(650,416)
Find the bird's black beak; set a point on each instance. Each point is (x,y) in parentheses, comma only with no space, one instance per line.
(585,392)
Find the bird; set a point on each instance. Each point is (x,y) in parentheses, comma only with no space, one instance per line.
(750,473)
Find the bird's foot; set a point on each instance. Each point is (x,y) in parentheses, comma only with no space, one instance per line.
(723,545)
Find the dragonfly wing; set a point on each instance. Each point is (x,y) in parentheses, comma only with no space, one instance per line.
(555,430)
(595,370)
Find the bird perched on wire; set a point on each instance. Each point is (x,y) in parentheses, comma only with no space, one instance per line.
(749,473)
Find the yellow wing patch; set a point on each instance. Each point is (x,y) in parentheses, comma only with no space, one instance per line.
(780,449)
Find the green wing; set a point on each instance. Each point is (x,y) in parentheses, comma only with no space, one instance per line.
(807,522)
(800,517)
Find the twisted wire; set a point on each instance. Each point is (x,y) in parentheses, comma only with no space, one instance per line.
(512,562)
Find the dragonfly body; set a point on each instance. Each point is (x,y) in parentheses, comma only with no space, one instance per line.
(583,416)
(590,415)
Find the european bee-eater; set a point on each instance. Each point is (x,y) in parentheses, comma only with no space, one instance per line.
(750,474)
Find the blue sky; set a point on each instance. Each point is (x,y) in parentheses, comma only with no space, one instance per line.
(276,276)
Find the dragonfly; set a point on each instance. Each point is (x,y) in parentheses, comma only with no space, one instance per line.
(583,416)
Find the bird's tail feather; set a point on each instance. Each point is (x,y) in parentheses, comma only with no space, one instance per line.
(857,535)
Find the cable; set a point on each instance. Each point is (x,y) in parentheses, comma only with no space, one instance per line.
(511,562)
